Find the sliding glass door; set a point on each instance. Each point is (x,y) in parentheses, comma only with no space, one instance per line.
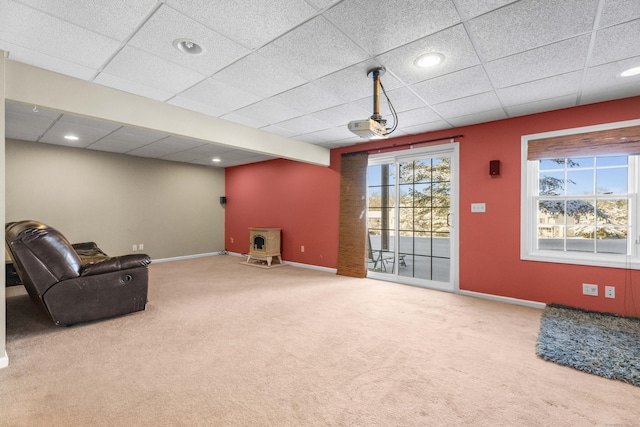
(412,200)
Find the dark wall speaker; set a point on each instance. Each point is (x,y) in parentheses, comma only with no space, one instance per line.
(494,167)
(223,200)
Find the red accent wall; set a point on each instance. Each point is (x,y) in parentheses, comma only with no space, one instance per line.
(303,200)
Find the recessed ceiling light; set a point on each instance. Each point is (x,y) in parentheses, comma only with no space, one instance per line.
(631,72)
(216,160)
(71,137)
(188,46)
(428,60)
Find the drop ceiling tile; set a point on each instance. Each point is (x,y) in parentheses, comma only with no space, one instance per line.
(259,75)
(87,134)
(306,99)
(125,85)
(616,43)
(407,21)
(414,117)
(189,104)
(592,95)
(427,127)
(353,83)
(165,147)
(314,49)
(480,117)
(328,135)
(472,8)
(459,84)
(28,109)
(551,87)
(251,23)
(603,76)
(183,156)
(245,120)
(29,28)
(267,112)
(37,59)
(149,70)
(158,34)
(470,105)
(122,141)
(528,24)
(558,58)
(114,18)
(279,131)
(542,106)
(342,114)
(617,11)
(453,43)
(25,127)
(219,95)
(304,124)
(402,99)
(89,122)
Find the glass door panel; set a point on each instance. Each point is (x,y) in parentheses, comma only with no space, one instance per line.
(416,207)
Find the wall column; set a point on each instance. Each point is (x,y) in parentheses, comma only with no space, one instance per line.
(4,359)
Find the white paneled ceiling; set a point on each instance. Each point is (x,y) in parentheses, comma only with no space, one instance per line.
(298,68)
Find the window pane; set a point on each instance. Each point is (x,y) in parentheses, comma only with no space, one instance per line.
(441,220)
(440,269)
(422,244)
(422,170)
(406,194)
(551,212)
(406,218)
(373,219)
(551,184)
(581,211)
(406,172)
(581,238)
(580,162)
(406,242)
(551,238)
(422,220)
(614,212)
(611,181)
(580,182)
(421,194)
(611,239)
(550,164)
(612,161)
(441,244)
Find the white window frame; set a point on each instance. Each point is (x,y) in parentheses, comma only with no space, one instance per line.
(528,209)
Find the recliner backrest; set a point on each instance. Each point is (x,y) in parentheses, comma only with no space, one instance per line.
(41,254)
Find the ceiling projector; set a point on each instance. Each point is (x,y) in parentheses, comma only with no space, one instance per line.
(368,128)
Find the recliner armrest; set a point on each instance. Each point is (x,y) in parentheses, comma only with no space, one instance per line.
(116,263)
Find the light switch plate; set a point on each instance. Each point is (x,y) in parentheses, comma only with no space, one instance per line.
(478,207)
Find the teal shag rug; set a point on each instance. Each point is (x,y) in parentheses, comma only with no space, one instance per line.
(598,343)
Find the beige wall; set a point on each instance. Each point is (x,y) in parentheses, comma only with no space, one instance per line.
(117,200)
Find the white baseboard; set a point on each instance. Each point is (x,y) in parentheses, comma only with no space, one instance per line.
(4,361)
(178,258)
(508,300)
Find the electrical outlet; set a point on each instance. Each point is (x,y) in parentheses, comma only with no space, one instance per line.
(301,248)
(141,246)
(588,289)
(231,239)
(610,291)
(134,247)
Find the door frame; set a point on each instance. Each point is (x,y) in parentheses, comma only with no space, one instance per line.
(451,149)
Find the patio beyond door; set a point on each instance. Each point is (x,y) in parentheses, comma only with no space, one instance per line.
(410,217)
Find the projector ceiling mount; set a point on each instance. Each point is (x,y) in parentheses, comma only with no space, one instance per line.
(375,126)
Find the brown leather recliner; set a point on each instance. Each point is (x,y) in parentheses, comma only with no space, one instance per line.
(69,290)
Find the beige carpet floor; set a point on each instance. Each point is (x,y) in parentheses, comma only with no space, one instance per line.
(225,344)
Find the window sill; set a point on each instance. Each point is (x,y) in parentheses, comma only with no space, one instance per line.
(600,260)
